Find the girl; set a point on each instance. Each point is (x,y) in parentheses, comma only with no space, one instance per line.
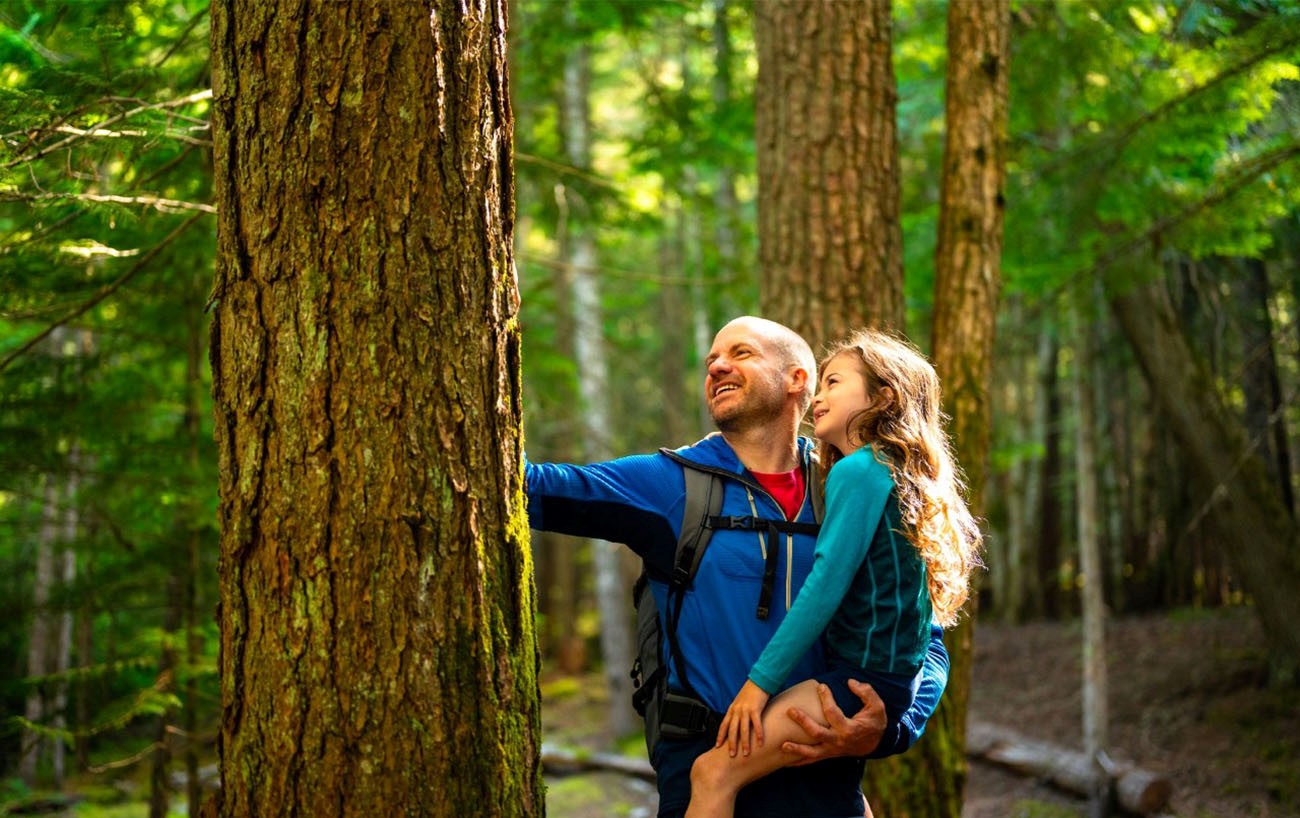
(896,551)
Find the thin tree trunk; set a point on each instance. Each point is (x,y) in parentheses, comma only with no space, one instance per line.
(1093,602)
(377,649)
(674,323)
(1112,458)
(561,589)
(85,655)
(160,772)
(1050,530)
(726,207)
(190,604)
(34,745)
(67,575)
(701,321)
(593,386)
(1010,577)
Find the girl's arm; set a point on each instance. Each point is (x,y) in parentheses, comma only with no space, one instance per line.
(856,492)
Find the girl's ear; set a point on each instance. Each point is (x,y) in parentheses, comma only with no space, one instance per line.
(885,396)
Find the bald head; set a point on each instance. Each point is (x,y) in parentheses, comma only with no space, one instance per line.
(783,345)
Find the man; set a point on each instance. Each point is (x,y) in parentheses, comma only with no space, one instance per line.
(759,383)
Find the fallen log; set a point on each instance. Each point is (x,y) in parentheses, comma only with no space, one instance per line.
(1138,791)
(569,761)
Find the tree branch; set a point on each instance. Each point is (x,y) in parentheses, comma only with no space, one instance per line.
(100,133)
(1111,144)
(164,205)
(1249,172)
(100,295)
(197,96)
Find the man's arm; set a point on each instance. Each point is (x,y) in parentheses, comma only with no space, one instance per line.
(625,500)
(865,734)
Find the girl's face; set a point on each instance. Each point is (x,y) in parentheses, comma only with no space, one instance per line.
(841,396)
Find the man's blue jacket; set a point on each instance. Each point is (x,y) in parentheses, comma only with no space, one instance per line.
(639,501)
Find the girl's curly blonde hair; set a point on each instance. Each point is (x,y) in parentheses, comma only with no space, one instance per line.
(904,423)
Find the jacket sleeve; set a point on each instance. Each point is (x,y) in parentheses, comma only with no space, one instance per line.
(631,500)
(934,678)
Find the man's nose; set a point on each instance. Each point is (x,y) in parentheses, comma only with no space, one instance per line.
(719,366)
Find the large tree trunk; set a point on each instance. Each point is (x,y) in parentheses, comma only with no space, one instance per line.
(377,646)
(929,780)
(1246,499)
(830,242)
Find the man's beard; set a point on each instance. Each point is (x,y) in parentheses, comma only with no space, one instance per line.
(755,410)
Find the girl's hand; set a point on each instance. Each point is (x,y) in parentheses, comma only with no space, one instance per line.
(743,720)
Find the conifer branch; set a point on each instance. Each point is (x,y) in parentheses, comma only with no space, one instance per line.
(100,133)
(156,202)
(1112,143)
(197,96)
(103,293)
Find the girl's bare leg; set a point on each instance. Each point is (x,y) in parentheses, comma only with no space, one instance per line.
(717,777)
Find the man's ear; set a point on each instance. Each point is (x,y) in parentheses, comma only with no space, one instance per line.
(798,380)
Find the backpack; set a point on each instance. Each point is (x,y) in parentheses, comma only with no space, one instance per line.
(669,713)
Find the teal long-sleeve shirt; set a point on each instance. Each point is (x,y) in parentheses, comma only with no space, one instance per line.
(867,589)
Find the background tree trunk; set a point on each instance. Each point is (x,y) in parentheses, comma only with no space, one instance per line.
(830,242)
(160,762)
(593,387)
(929,779)
(43,639)
(1260,382)
(194,547)
(1244,496)
(674,319)
(1095,711)
(377,647)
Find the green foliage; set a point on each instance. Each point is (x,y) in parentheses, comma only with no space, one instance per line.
(671,122)
(105,250)
(1124,131)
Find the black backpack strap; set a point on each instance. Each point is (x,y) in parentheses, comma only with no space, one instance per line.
(772,528)
(700,518)
(703,502)
(704,492)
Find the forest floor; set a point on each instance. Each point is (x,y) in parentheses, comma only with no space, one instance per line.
(1187,700)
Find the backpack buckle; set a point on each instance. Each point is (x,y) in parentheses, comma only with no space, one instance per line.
(686,717)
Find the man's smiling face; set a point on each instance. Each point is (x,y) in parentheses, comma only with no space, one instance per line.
(744,383)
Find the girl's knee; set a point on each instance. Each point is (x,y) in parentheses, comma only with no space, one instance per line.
(708,770)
